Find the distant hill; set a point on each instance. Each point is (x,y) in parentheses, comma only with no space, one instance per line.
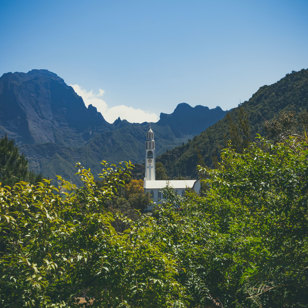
(187,120)
(54,129)
(268,103)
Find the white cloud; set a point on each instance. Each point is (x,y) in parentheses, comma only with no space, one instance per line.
(110,114)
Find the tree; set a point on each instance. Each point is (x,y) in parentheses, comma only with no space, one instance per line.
(239,129)
(244,244)
(130,199)
(161,173)
(59,243)
(13,165)
(134,193)
(257,207)
(286,123)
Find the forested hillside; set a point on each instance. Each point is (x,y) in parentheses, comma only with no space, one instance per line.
(271,110)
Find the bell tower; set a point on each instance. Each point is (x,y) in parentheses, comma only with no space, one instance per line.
(150,156)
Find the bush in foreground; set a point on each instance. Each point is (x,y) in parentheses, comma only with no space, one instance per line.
(242,245)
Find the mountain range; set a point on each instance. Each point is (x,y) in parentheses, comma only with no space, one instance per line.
(53,127)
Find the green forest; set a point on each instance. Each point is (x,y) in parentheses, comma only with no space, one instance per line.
(241,243)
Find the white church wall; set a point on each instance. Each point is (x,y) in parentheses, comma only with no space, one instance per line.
(155,187)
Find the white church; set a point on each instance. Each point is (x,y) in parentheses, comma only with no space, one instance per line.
(155,187)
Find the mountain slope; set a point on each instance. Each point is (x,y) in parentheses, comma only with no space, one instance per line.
(288,94)
(54,129)
(188,120)
(38,107)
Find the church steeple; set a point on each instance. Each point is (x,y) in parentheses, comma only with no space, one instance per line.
(150,156)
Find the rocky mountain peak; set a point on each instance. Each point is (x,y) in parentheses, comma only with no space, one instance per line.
(38,107)
(191,119)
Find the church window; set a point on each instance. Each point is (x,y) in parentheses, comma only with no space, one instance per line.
(150,154)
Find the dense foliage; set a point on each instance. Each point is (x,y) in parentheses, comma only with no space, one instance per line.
(243,244)
(249,233)
(130,200)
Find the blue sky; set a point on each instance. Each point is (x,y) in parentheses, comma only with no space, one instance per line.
(139,58)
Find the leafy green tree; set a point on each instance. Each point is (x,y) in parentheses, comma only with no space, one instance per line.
(245,243)
(239,129)
(130,200)
(287,123)
(13,165)
(257,204)
(58,244)
(161,173)
(134,193)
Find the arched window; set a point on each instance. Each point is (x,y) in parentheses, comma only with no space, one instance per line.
(150,154)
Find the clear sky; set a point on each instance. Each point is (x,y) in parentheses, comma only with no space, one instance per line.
(139,58)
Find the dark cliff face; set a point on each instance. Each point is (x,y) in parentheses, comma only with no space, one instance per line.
(38,107)
(191,120)
(13,119)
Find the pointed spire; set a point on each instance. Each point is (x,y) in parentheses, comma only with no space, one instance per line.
(150,134)
(150,156)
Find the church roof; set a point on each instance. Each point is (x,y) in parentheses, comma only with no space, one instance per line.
(175,184)
(150,134)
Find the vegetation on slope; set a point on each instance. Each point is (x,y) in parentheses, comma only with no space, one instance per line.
(268,104)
